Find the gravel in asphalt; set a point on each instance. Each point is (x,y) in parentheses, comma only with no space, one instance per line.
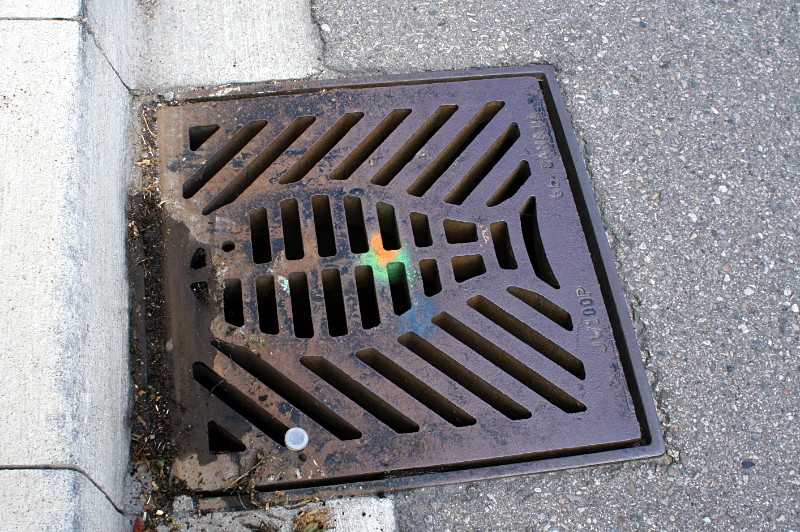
(687,114)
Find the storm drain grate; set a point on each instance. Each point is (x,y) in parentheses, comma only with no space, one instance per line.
(407,268)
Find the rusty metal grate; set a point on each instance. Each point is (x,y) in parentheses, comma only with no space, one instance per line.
(411,269)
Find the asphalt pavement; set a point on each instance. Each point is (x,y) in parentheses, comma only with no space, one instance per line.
(687,116)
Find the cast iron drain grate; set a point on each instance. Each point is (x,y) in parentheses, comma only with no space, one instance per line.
(411,269)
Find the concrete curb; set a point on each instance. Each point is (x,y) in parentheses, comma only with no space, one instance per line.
(64,383)
(65,168)
(365,514)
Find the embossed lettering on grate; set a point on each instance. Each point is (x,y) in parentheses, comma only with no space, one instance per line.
(399,267)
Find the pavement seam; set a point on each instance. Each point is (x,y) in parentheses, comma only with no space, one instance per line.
(315,20)
(45,19)
(65,467)
(326,70)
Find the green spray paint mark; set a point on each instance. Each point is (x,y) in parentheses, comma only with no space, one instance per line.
(378,258)
(396,272)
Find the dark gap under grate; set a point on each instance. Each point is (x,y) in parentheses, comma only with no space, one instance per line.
(408,269)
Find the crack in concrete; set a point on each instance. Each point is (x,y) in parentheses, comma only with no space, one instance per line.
(65,467)
(83,21)
(88,27)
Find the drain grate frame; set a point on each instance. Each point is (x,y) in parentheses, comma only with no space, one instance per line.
(217,365)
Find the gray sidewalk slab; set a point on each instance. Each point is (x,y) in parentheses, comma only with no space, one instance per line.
(63,286)
(167,44)
(54,501)
(687,116)
(39,9)
(201,43)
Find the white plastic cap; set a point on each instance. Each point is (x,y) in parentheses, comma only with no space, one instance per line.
(296,439)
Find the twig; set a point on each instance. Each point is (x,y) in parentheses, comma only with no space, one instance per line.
(258,464)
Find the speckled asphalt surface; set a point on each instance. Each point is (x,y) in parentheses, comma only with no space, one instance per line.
(687,114)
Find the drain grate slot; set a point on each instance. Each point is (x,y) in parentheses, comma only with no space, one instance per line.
(502,246)
(239,402)
(232,301)
(444,363)
(419,139)
(217,162)
(290,391)
(398,285)
(263,160)
(407,268)
(301,305)
(292,230)
(324,145)
(527,334)
(323,223)
(500,358)
(465,267)
(259,236)
(543,305)
(220,441)
(415,388)
(198,135)
(334,302)
(511,185)
(367,297)
(457,232)
(360,395)
(431,281)
(533,244)
(390,234)
(484,165)
(421,227)
(356,228)
(267,304)
(453,150)
(371,143)
(200,291)
(198,259)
